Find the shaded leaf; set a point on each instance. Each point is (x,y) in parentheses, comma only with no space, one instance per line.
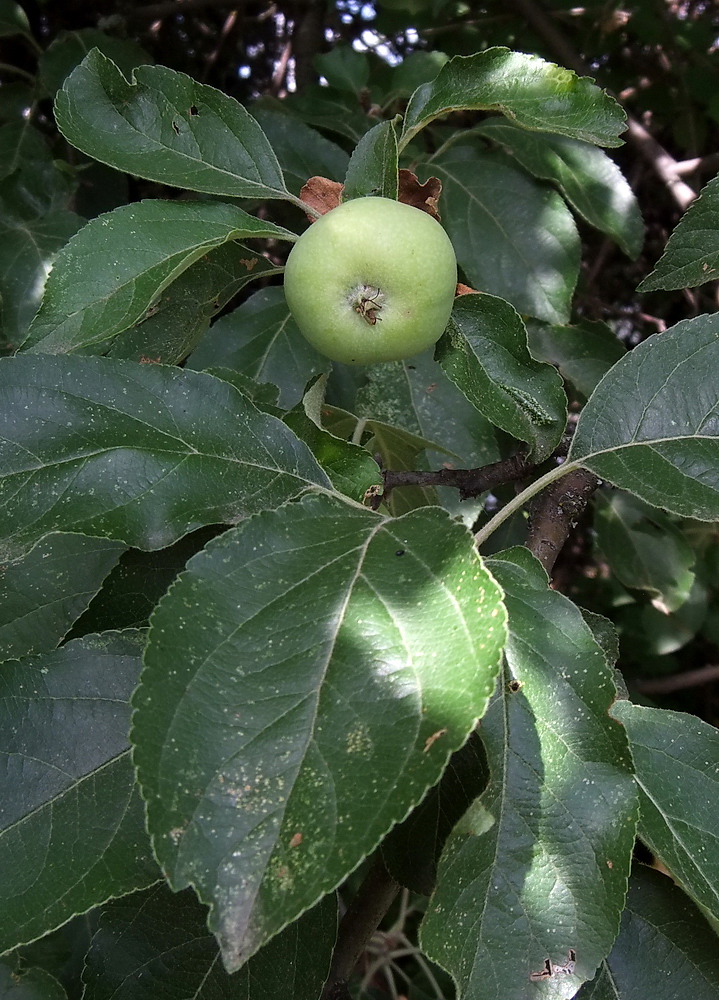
(166,127)
(691,256)
(302,151)
(644,549)
(539,864)
(41,596)
(513,236)
(373,167)
(278,751)
(538,95)
(156,942)
(30,984)
(652,424)
(591,181)
(665,948)
(484,351)
(138,453)
(584,352)
(344,68)
(132,253)
(72,826)
(13,20)
(176,323)
(260,339)
(677,765)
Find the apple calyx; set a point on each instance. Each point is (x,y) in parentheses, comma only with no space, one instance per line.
(367,301)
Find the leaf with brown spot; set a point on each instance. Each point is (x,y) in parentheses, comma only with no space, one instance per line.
(423,196)
(322,194)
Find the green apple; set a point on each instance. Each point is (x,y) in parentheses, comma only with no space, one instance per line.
(372,280)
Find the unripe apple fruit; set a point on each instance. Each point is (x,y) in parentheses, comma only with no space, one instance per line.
(372,280)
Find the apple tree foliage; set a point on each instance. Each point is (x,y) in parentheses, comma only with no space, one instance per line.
(245,693)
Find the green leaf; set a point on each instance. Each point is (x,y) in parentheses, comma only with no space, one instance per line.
(584,352)
(536,94)
(157,940)
(513,236)
(484,352)
(261,340)
(344,68)
(293,705)
(30,984)
(590,181)
(132,254)
(138,453)
(349,467)
(329,109)
(32,184)
(651,425)
(302,151)
(644,549)
(665,949)
(175,324)
(373,168)
(41,596)
(691,257)
(72,828)
(13,20)
(415,69)
(69,48)
(27,250)
(539,864)
(677,768)
(166,127)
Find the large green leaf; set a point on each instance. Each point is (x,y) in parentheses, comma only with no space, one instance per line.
(156,943)
(72,829)
(665,949)
(344,68)
(175,324)
(539,864)
(645,549)
(260,339)
(138,453)
(373,168)
(652,424)
(307,678)
(166,127)
(69,48)
(43,594)
(536,94)
(591,181)
(484,351)
(691,256)
(513,236)
(107,277)
(677,764)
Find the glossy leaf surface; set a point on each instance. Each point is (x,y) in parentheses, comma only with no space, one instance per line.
(652,424)
(277,751)
(513,236)
(72,828)
(372,169)
(677,765)
(589,179)
(484,352)
(538,95)
(539,863)
(166,127)
(138,453)
(584,352)
(131,254)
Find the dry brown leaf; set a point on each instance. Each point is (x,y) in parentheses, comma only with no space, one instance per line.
(423,196)
(465,290)
(322,194)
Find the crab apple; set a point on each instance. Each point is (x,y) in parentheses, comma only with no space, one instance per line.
(372,280)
